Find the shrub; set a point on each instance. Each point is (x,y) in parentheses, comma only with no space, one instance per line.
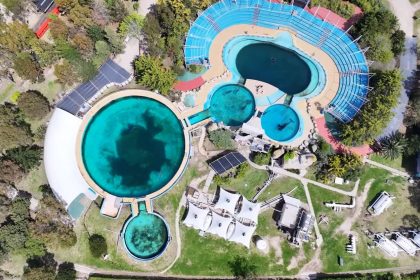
(14,130)
(241,170)
(222,139)
(393,146)
(97,245)
(221,180)
(261,158)
(28,68)
(66,73)
(27,157)
(342,8)
(11,172)
(289,155)
(33,104)
(66,271)
(195,68)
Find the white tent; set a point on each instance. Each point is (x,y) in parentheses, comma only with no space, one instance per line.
(227,201)
(219,225)
(249,210)
(383,202)
(242,234)
(197,217)
(60,158)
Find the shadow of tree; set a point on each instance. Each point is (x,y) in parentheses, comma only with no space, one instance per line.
(414,197)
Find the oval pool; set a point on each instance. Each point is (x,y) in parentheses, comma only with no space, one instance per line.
(280,122)
(276,65)
(133,146)
(146,236)
(232,104)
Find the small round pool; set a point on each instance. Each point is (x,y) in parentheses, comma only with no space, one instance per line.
(133,146)
(280,122)
(146,236)
(232,104)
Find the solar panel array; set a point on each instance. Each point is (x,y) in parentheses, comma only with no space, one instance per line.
(43,5)
(109,73)
(226,162)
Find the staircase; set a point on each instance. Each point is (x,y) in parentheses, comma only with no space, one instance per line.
(256,15)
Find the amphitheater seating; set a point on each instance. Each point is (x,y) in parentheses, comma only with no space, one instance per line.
(347,55)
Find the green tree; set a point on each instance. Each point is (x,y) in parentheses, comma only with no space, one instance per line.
(398,40)
(66,73)
(152,32)
(222,139)
(66,5)
(380,48)
(15,37)
(116,9)
(81,16)
(27,157)
(66,271)
(34,248)
(28,68)
(83,44)
(393,145)
(151,73)
(40,268)
(11,172)
(96,33)
(375,114)
(97,245)
(58,29)
(52,223)
(261,158)
(102,53)
(242,268)
(413,145)
(116,43)
(14,130)
(132,26)
(33,104)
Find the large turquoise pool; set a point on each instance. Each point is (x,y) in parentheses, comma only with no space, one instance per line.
(275,65)
(133,146)
(280,122)
(146,236)
(232,104)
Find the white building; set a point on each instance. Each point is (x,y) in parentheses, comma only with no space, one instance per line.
(405,244)
(386,245)
(289,212)
(383,202)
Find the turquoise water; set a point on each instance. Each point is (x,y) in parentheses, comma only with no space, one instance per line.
(189,100)
(187,75)
(280,122)
(275,65)
(201,116)
(133,146)
(146,236)
(232,104)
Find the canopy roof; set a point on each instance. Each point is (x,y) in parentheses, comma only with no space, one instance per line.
(249,210)
(219,225)
(196,217)
(242,234)
(227,201)
(60,157)
(406,244)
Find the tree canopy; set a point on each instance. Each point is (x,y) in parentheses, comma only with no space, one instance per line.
(97,245)
(376,113)
(14,130)
(33,104)
(151,73)
(132,26)
(26,157)
(222,139)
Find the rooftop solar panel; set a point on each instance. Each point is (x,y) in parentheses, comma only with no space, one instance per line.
(109,72)
(227,162)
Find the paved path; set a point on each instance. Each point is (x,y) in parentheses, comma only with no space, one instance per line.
(390,169)
(209,179)
(177,233)
(408,60)
(319,239)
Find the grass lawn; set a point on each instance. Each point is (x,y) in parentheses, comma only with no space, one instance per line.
(246,185)
(211,255)
(283,185)
(396,163)
(345,187)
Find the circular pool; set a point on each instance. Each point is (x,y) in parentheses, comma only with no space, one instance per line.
(133,146)
(232,104)
(146,236)
(280,122)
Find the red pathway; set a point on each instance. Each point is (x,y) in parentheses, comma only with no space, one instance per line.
(189,85)
(325,133)
(337,20)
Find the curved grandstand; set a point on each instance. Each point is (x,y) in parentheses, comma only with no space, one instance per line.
(343,50)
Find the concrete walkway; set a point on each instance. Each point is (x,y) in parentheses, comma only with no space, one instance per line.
(319,239)
(408,60)
(390,169)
